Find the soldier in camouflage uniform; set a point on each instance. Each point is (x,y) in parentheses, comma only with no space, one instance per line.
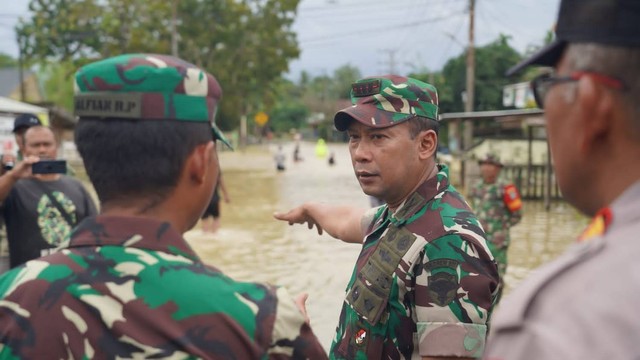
(487,199)
(425,280)
(127,284)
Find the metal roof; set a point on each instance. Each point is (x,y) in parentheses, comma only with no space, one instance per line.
(476,115)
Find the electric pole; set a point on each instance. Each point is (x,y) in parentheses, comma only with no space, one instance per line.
(392,60)
(174,28)
(471,59)
(467,132)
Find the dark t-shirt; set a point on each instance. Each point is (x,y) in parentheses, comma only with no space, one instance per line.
(33,221)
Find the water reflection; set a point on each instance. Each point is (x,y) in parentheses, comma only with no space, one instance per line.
(251,245)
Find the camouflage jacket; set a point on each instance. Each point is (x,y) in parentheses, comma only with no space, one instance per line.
(133,288)
(424,282)
(487,201)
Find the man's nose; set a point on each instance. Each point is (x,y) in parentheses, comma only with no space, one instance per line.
(362,152)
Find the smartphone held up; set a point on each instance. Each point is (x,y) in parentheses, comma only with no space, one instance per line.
(49,167)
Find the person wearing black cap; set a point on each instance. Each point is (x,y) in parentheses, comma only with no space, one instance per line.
(20,125)
(40,210)
(584,305)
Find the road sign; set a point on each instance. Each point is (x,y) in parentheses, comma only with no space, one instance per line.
(261,118)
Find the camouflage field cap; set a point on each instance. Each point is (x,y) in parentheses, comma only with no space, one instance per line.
(147,86)
(388,100)
(491,158)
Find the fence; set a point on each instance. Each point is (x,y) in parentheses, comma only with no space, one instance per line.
(532,181)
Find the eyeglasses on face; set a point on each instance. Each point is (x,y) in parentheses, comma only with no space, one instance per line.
(542,83)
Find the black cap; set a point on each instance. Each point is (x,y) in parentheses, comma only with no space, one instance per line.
(607,22)
(25,121)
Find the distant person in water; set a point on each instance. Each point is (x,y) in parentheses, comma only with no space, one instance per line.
(321,148)
(280,158)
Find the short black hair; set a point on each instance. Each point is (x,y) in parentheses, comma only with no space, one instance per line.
(137,159)
(419,124)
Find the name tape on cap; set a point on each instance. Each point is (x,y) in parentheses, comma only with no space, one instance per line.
(125,105)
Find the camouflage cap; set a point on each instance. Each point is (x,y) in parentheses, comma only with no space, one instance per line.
(147,86)
(388,100)
(491,158)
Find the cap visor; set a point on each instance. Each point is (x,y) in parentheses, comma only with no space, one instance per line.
(547,56)
(218,135)
(342,119)
(375,118)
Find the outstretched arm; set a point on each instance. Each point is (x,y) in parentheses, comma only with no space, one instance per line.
(341,222)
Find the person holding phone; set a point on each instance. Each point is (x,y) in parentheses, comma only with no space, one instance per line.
(41,205)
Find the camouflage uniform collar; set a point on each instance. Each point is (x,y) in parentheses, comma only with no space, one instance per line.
(134,232)
(425,193)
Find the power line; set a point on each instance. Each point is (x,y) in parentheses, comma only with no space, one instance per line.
(365,4)
(422,22)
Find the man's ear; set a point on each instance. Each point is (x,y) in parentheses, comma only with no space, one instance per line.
(199,161)
(428,143)
(597,104)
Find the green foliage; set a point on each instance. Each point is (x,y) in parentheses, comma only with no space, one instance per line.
(57,83)
(343,77)
(246,44)
(492,62)
(7,61)
(60,30)
(287,116)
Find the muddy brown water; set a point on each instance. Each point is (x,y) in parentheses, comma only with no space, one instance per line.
(251,245)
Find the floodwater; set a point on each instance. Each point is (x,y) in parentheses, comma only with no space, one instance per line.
(252,245)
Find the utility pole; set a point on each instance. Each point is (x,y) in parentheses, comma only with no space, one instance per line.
(392,60)
(467,133)
(174,28)
(21,68)
(471,59)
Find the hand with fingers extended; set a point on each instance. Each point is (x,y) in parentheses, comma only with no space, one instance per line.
(299,215)
(341,222)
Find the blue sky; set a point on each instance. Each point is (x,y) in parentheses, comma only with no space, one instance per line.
(382,36)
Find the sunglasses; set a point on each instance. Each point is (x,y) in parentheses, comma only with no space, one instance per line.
(542,83)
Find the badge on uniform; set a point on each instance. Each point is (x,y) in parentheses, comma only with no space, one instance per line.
(512,198)
(598,225)
(360,337)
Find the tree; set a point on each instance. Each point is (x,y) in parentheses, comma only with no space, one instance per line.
(343,77)
(60,30)
(246,44)
(57,86)
(492,62)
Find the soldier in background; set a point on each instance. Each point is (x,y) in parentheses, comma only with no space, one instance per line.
(497,205)
(127,285)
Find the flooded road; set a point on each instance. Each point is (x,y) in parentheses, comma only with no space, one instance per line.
(251,245)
